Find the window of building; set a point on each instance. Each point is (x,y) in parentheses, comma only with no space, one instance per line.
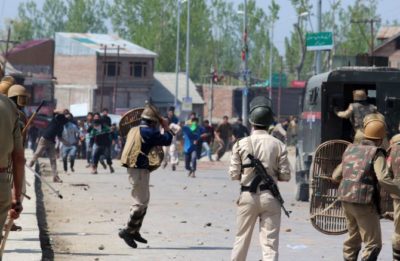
(138,69)
(111,69)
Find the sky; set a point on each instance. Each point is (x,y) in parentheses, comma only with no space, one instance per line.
(388,9)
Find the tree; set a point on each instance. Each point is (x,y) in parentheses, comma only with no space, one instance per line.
(24,27)
(354,38)
(148,23)
(76,16)
(226,36)
(86,16)
(296,52)
(152,24)
(53,17)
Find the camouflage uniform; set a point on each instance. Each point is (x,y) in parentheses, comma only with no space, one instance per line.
(356,113)
(363,170)
(394,168)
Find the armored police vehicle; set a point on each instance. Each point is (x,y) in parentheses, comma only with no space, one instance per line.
(332,91)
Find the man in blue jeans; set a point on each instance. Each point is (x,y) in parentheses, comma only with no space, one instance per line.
(207,139)
(100,141)
(192,139)
(70,137)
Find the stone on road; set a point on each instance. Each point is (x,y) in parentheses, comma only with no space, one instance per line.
(181,223)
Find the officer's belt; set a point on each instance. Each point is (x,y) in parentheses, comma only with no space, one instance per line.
(248,188)
(254,184)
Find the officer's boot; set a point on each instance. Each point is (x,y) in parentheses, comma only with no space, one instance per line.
(373,256)
(353,257)
(127,237)
(137,237)
(111,168)
(396,254)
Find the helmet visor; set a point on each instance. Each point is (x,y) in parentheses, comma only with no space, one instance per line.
(22,100)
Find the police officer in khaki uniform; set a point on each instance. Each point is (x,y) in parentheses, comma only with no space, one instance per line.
(364,171)
(11,157)
(135,157)
(5,84)
(258,204)
(18,94)
(357,110)
(394,168)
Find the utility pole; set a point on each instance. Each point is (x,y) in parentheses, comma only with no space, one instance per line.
(246,73)
(271,39)
(8,42)
(104,76)
(318,64)
(211,96)
(116,82)
(280,89)
(371,22)
(187,48)
(177,54)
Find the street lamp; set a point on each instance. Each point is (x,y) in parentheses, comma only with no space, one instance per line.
(187,48)
(304,14)
(245,68)
(177,50)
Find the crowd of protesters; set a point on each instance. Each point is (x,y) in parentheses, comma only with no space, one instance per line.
(201,139)
(97,140)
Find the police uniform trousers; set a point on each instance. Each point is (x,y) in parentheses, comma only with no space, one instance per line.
(23,190)
(396,234)
(50,148)
(5,198)
(260,206)
(364,226)
(139,179)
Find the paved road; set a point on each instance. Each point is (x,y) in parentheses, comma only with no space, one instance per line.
(85,224)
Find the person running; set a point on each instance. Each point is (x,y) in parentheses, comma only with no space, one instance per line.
(192,139)
(207,139)
(48,143)
(88,126)
(70,137)
(100,141)
(223,136)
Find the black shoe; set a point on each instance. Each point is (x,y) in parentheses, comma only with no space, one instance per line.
(72,169)
(111,169)
(137,237)
(173,167)
(128,238)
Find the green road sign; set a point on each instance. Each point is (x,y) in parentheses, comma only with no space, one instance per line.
(277,82)
(319,41)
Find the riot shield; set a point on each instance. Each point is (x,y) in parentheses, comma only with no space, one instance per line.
(132,119)
(326,211)
(129,120)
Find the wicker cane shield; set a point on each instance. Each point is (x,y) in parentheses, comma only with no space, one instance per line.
(326,211)
(129,120)
(132,119)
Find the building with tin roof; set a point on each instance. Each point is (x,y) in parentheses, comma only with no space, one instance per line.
(96,71)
